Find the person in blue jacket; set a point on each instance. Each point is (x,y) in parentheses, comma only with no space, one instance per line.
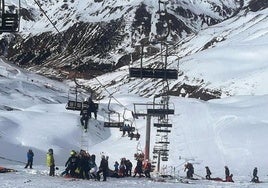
(30,156)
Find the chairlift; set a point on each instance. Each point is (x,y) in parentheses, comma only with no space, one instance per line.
(147,72)
(160,109)
(164,158)
(74,104)
(114,120)
(10,17)
(162,125)
(163,142)
(128,124)
(163,131)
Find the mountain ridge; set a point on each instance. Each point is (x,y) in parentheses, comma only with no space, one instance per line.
(96,38)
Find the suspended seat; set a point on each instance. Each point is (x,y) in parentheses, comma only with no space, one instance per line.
(164,154)
(159,125)
(156,150)
(163,142)
(113,124)
(164,158)
(153,73)
(74,105)
(163,131)
(10,23)
(159,112)
(113,118)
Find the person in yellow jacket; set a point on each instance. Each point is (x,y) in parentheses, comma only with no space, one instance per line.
(51,162)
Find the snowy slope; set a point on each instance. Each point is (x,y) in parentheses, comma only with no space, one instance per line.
(216,133)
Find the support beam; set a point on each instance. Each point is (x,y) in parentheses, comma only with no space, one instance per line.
(148,137)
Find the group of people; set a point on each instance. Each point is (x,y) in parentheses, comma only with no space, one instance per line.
(83,165)
(88,107)
(228,177)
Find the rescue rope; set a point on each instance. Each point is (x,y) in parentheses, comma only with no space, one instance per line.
(12,160)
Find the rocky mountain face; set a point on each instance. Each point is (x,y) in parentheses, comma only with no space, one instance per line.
(67,39)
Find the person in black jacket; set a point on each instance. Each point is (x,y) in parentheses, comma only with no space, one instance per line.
(103,168)
(71,164)
(255,175)
(128,167)
(138,168)
(92,108)
(84,159)
(85,114)
(227,172)
(208,173)
(190,170)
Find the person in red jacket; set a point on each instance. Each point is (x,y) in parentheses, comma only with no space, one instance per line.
(147,169)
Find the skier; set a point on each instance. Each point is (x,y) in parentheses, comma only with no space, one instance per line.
(84,164)
(93,167)
(190,170)
(138,168)
(227,172)
(128,167)
(208,173)
(51,162)
(122,168)
(103,168)
(255,178)
(147,169)
(116,166)
(30,156)
(71,164)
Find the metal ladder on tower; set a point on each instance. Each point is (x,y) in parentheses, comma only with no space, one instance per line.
(84,140)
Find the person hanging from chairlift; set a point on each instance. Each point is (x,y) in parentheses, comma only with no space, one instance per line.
(92,108)
(85,114)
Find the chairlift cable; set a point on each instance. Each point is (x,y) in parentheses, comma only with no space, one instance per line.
(55,27)
(42,10)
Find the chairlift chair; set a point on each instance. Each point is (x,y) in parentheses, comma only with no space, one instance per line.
(160,110)
(128,124)
(10,17)
(164,158)
(163,131)
(74,104)
(114,120)
(162,125)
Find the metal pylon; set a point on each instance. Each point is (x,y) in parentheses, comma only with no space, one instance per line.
(84,140)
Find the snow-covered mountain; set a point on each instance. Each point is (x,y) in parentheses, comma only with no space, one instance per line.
(97,37)
(219,49)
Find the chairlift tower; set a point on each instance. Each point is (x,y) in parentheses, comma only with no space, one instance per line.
(160,110)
